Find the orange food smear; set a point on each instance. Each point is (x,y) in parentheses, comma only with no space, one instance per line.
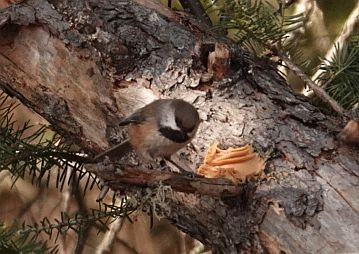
(237,164)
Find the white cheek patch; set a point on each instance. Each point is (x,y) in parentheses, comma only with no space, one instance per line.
(168,120)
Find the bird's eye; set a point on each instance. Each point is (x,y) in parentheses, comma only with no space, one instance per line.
(180,125)
(188,129)
(178,122)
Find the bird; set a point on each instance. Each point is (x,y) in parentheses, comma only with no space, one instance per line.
(160,129)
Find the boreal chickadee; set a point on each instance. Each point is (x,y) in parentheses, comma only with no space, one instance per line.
(159,129)
(162,127)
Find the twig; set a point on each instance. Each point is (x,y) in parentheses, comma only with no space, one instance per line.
(348,28)
(127,246)
(316,89)
(288,3)
(65,201)
(83,233)
(195,7)
(110,236)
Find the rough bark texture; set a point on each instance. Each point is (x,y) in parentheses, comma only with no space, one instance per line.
(83,65)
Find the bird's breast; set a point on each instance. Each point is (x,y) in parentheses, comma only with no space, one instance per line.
(150,143)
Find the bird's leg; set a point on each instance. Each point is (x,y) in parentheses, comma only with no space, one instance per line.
(181,169)
(164,165)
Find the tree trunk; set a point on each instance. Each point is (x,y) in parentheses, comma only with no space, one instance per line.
(83,65)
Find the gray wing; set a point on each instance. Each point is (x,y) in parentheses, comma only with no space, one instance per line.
(137,117)
(149,110)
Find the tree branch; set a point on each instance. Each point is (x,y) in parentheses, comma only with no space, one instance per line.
(179,182)
(320,92)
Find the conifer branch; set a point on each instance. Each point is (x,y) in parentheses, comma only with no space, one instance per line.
(320,92)
(11,242)
(349,27)
(38,152)
(75,223)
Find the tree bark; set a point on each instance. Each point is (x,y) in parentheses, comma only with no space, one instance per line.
(83,65)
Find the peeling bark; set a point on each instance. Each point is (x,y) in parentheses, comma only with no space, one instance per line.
(83,65)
